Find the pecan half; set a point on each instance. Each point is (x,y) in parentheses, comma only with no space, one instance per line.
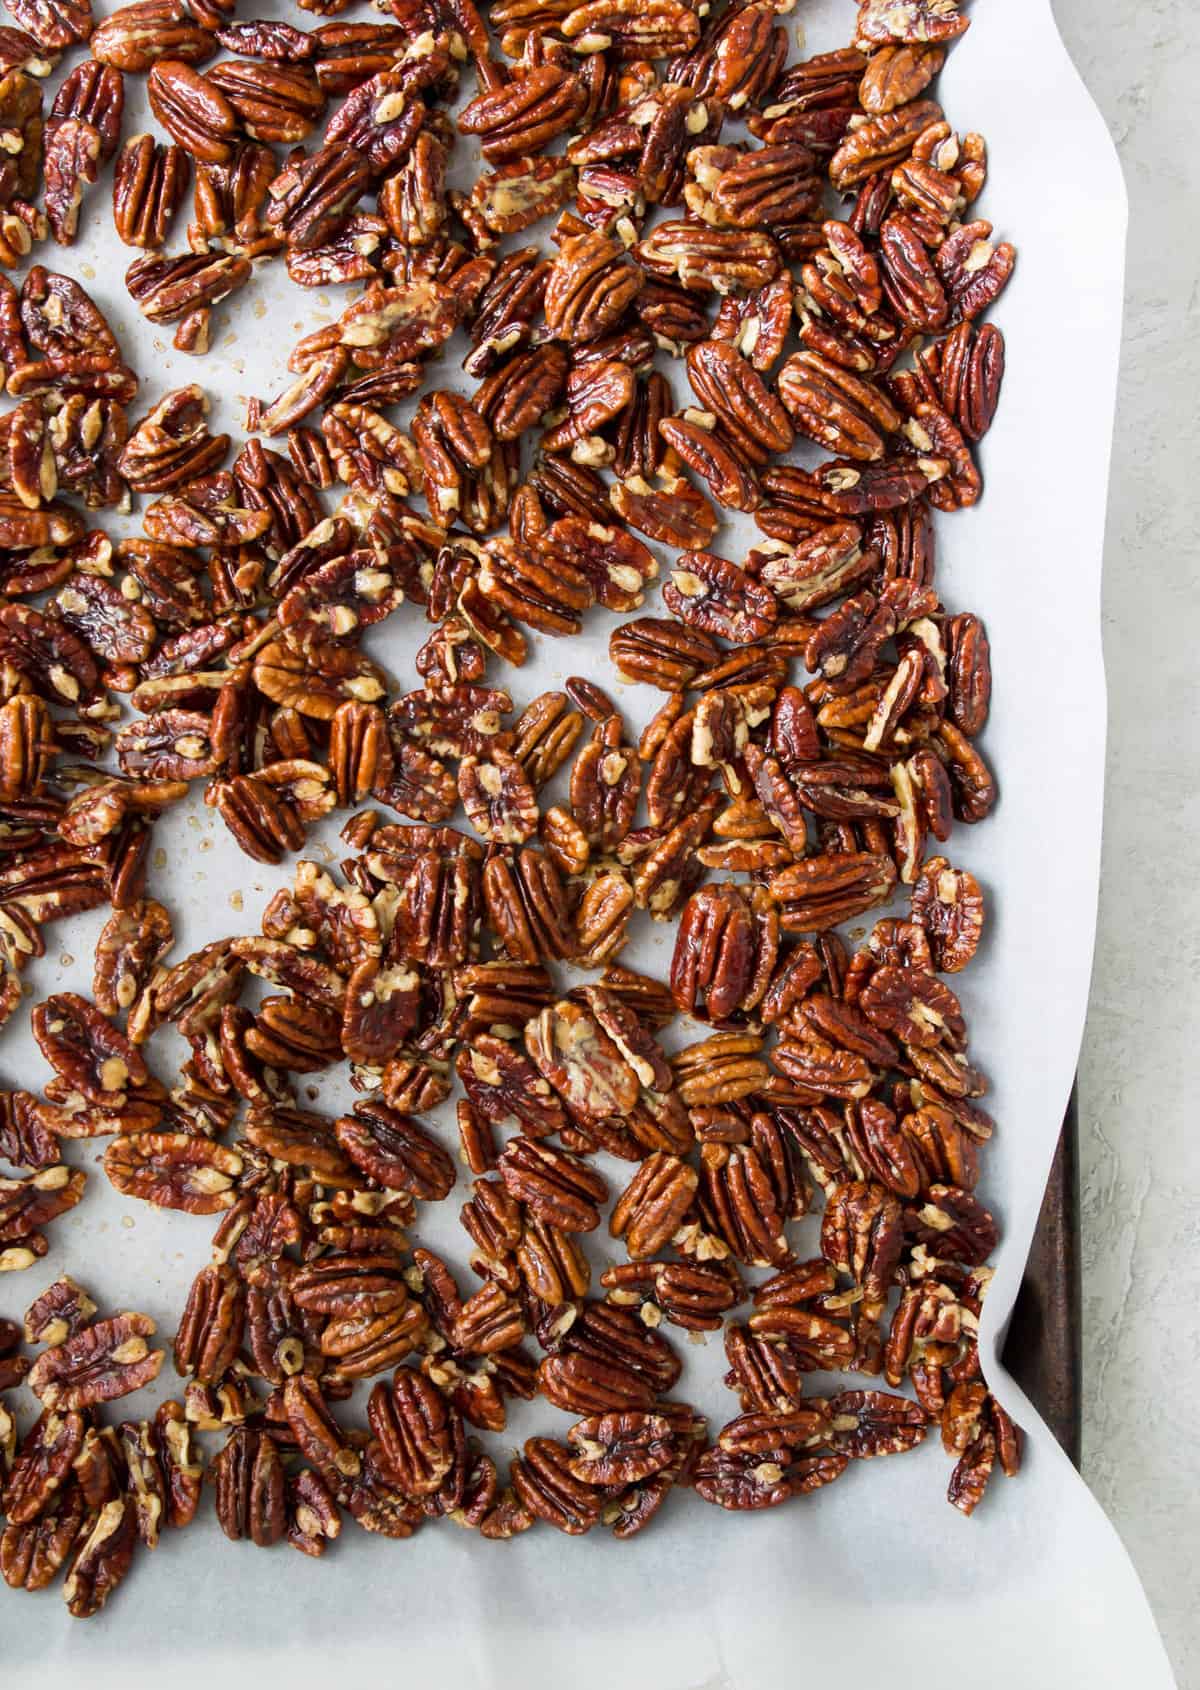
(105,1360)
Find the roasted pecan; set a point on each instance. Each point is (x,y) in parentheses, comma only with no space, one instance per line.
(825,890)
(267,40)
(54,24)
(26,746)
(704,259)
(32,1554)
(310,199)
(764,1478)
(81,136)
(42,1465)
(715,951)
(86,1050)
(871,1423)
(544,735)
(174,1171)
(169,289)
(653,1205)
(61,1311)
(107,1359)
(588,288)
(192,110)
(275,102)
(521,115)
(102,1559)
(861,1236)
(620,1449)
(395,1151)
(768,188)
(527,906)
(558,1187)
(582,1383)
(602,919)
(415,1428)
(505,1084)
(584,1065)
(726,383)
(210,1328)
(714,595)
(379,119)
(659,29)
(133,37)
(963,1229)
(741,1197)
(498,798)
(250,1487)
(55,662)
(948,903)
(705,449)
(896,74)
(545,1484)
(605,783)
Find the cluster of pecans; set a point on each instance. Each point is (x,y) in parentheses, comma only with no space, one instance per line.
(235,625)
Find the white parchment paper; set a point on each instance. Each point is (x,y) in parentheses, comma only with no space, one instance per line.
(877,1576)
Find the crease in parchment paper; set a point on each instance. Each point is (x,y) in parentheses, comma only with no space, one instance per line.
(875,1574)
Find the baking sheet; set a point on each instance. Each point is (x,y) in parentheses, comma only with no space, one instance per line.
(1043,1345)
(876,1574)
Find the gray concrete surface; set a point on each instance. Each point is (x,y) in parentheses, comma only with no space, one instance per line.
(1140,1071)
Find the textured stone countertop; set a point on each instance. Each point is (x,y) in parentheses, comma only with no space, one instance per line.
(1140,1071)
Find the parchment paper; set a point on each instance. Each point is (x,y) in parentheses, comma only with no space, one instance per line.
(876,1577)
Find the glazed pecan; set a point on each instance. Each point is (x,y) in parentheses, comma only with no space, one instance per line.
(102,1559)
(620,1449)
(172,445)
(521,115)
(250,1487)
(33,1554)
(310,200)
(559,1188)
(415,1428)
(836,408)
(275,102)
(650,1210)
(210,1328)
(605,783)
(741,1198)
(825,890)
(715,953)
(104,1360)
(545,1484)
(585,1067)
(762,1478)
(42,1465)
(714,595)
(169,289)
(81,136)
(54,24)
(948,903)
(133,37)
(395,1151)
(174,1171)
(602,919)
(504,1084)
(590,284)
(498,798)
(192,110)
(726,383)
